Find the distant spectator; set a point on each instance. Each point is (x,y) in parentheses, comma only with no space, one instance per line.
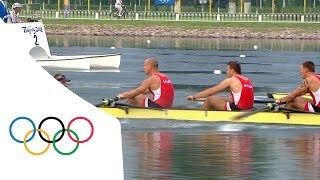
(14,14)
(62,79)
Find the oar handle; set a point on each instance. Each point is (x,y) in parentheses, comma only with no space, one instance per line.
(199,99)
(265,100)
(293,110)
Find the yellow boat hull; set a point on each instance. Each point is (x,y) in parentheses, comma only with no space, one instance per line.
(214,116)
(281,95)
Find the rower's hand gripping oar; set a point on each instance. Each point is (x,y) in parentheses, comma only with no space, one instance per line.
(246,114)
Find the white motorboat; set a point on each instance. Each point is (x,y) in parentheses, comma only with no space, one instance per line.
(81,62)
(76,62)
(39,50)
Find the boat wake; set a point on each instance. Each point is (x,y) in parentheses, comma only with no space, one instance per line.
(232,127)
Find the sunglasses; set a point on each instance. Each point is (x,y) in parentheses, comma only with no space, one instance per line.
(63,78)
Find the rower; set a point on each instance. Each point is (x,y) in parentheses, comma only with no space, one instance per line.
(156,91)
(310,84)
(241,90)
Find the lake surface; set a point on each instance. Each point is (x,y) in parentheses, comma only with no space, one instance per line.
(162,149)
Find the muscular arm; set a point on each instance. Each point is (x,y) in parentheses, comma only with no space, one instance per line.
(299,91)
(142,89)
(215,89)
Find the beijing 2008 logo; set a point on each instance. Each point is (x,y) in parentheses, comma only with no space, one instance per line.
(54,139)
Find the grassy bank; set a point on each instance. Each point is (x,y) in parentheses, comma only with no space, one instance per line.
(256,26)
(192,29)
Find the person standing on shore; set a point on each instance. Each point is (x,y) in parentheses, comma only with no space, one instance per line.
(156,91)
(310,84)
(241,89)
(14,14)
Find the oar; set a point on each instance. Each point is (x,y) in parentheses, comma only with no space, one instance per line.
(297,110)
(249,113)
(125,105)
(199,99)
(267,100)
(113,103)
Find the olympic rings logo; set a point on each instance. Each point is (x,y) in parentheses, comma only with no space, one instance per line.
(47,139)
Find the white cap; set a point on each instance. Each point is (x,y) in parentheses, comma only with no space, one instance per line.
(16,5)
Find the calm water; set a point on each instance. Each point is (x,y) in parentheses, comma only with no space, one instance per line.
(158,149)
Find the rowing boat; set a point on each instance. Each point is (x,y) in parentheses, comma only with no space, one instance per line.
(270,117)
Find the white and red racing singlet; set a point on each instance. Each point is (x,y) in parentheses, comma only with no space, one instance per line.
(163,96)
(244,99)
(315,95)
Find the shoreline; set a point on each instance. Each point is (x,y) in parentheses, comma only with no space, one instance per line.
(179,32)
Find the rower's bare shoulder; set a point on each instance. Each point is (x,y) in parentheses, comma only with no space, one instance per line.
(312,79)
(154,78)
(234,79)
(244,77)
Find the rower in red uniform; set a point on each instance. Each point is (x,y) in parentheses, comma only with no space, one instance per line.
(241,90)
(155,91)
(310,84)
